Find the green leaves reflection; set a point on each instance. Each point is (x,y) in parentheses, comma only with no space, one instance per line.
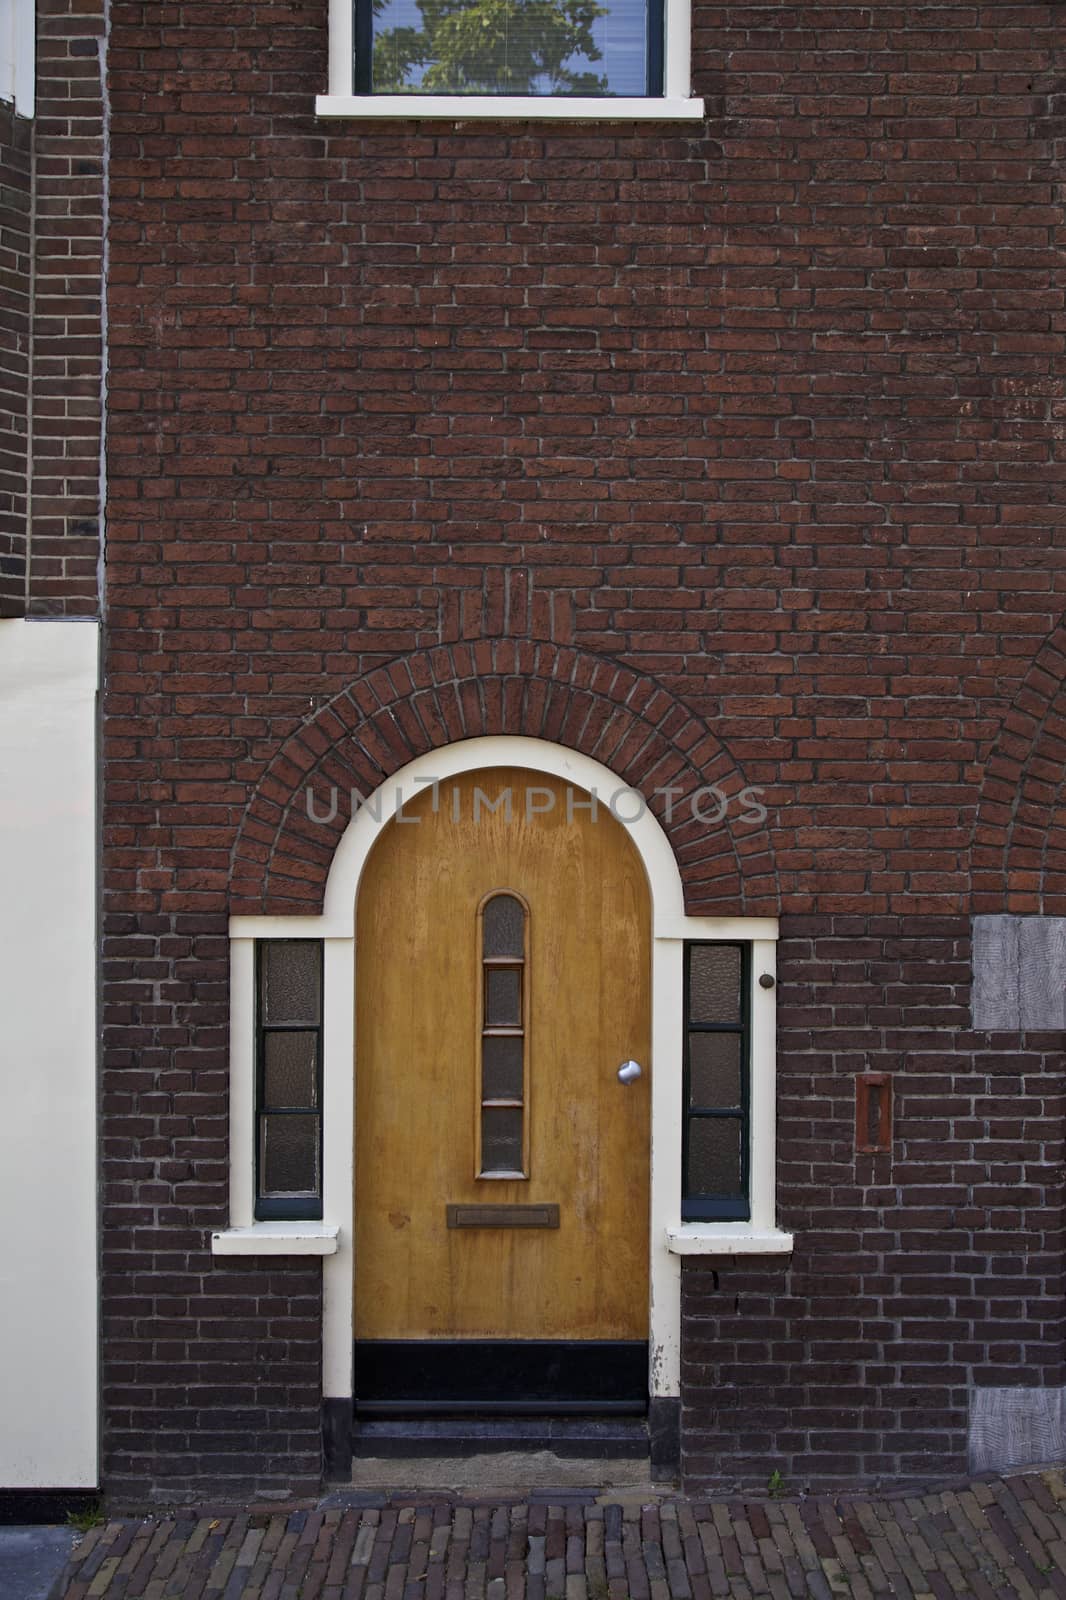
(490,47)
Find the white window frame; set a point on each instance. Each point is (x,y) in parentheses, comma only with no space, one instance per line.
(670,1238)
(674,104)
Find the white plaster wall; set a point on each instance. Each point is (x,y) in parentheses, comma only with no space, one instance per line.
(48,1279)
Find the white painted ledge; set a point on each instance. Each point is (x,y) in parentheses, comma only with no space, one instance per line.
(277,1239)
(508,108)
(727,1239)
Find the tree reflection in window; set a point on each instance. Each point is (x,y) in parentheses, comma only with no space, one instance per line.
(509,47)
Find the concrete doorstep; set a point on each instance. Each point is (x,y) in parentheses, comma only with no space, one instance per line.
(503,1471)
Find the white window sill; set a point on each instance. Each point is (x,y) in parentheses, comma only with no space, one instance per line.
(727,1239)
(277,1239)
(508,108)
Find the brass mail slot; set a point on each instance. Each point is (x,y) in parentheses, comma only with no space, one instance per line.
(503,1216)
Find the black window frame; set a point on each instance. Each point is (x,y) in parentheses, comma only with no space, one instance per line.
(296,1207)
(701,1207)
(363,56)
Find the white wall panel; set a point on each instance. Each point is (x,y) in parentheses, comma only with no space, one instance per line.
(48,1277)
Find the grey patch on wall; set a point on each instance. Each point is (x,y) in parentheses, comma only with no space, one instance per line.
(1016,1428)
(1019,974)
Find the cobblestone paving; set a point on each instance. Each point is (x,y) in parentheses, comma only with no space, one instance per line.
(1000,1537)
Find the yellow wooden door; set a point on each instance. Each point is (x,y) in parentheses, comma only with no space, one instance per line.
(430,993)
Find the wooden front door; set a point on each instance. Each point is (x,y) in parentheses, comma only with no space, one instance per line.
(501,1167)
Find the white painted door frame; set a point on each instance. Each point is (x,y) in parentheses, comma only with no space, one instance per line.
(669,1238)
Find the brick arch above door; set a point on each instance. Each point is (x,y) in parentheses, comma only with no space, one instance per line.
(621,718)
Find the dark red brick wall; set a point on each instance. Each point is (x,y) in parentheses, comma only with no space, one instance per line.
(213,1373)
(68,335)
(765,410)
(51,328)
(917,1272)
(15,246)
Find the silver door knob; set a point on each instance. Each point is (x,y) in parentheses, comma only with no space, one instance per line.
(629,1071)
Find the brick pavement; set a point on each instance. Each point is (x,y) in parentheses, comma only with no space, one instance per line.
(990,1539)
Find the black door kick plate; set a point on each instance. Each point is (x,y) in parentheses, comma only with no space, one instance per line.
(550,1377)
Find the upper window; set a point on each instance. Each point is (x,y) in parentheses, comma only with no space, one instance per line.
(579,59)
(509,47)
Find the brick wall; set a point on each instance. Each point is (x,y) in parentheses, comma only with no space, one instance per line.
(51,330)
(15,245)
(916,1273)
(767,410)
(68,336)
(214,1374)
(212,1368)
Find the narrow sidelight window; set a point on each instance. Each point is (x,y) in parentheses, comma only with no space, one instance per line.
(288,1151)
(715,1159)
(503,921)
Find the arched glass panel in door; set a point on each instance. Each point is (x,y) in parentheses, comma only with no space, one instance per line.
(503,1150)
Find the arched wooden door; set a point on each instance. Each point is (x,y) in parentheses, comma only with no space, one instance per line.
(501,1166)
